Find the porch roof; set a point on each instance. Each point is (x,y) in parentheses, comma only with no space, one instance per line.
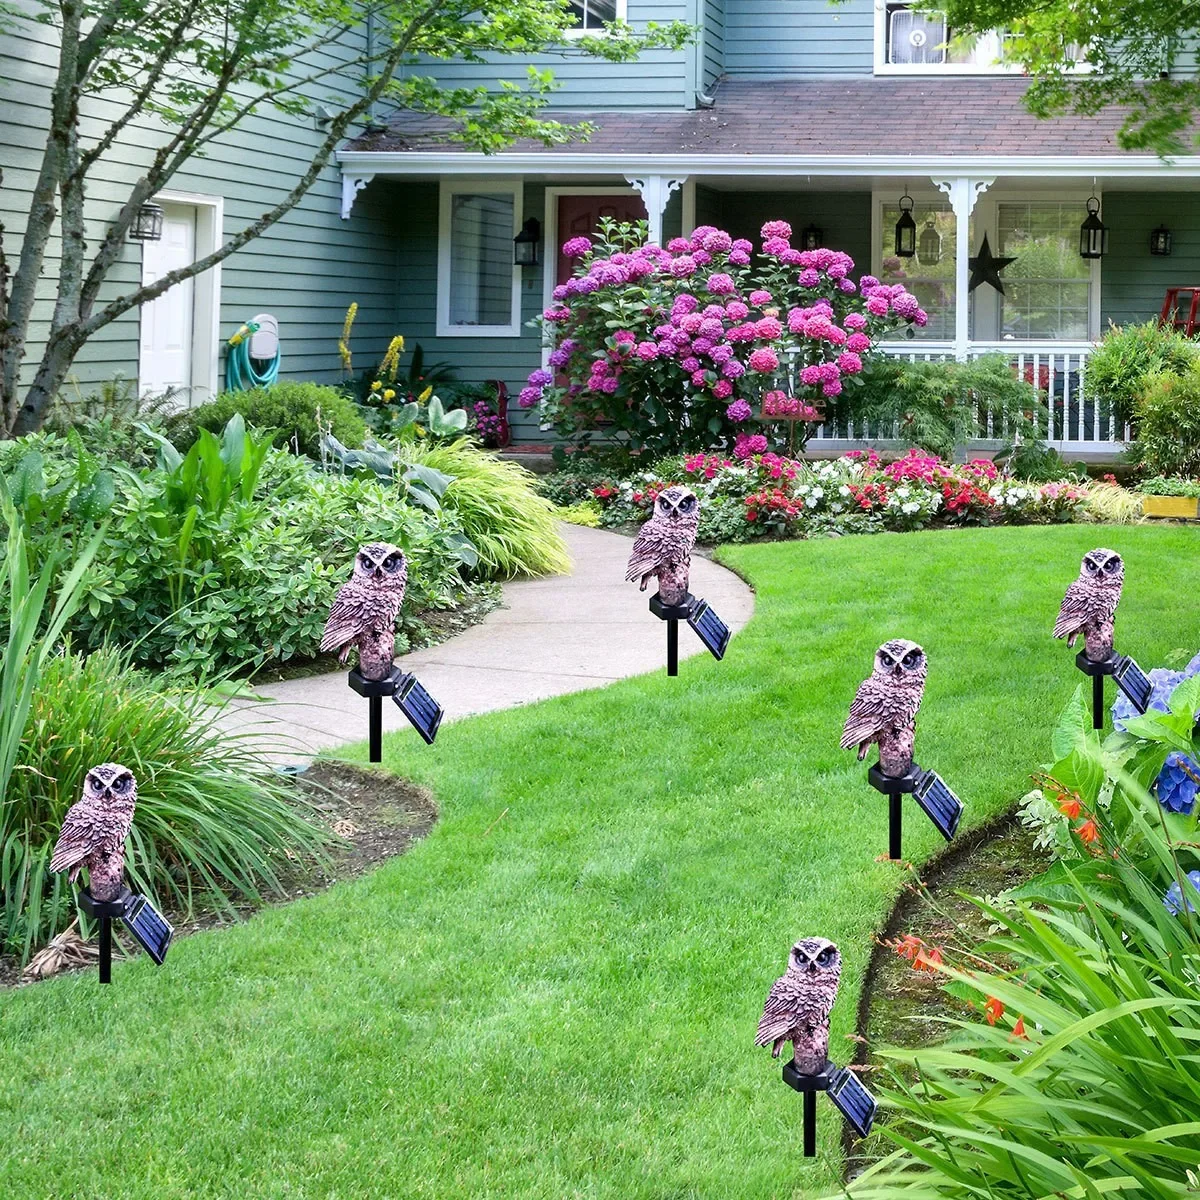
(963,115)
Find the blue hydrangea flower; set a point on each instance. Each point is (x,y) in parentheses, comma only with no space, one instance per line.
(1173,900)
(1177,784)
(1165,682)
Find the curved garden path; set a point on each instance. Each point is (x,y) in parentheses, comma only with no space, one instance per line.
(554,635)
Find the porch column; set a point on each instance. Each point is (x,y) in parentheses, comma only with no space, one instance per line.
(655,191)
(963,193)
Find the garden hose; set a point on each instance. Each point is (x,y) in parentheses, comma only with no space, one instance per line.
(243,372)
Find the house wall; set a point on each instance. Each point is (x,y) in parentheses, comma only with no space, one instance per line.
(712,18)
(306,269)
(780,38)
(1133,282)
(655,80)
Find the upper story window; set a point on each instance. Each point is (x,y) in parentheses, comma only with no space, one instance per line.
(592,15)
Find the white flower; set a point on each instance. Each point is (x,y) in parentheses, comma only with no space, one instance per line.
(818,492)
(902,492)
(844,490)
(911,507)
(812,502)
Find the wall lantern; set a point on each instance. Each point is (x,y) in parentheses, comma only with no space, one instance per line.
(929,245)
(525,244)
(906,229)
(1093,233)
(1160,242)
(147,223)
(813,237)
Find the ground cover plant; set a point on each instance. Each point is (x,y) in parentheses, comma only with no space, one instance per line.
(766,495)
(556,992)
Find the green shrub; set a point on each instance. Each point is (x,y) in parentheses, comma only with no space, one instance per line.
(1167,424)
(1127,355)
(585,513)
(289,409)
(1081,1080)
(513,529)
(571,486)
(211,823)
(1160,485)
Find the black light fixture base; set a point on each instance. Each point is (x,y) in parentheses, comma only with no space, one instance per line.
(808,1086)
(672,614)
(104,912)
(1097,671)
(374,690)
(703,619)
(895,788)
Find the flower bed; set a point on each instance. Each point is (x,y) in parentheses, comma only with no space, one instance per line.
(756,493)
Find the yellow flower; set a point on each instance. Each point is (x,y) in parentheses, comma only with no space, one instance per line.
(391,357)
(389,394)
(376,386)
(344,340)
(424,396)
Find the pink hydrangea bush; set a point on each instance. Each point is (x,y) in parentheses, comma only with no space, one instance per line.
(679,347)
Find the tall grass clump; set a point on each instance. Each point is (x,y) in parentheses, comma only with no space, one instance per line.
(513,529)
(1081,1077)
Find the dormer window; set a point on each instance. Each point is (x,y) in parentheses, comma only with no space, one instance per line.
(592,15)
(913,39)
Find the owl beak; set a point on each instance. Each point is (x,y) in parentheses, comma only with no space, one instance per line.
(897,671)
(378,572)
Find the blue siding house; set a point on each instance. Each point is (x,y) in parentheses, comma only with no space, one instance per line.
(830,116)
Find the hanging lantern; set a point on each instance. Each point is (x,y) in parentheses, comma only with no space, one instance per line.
(147,223)
(1160,242)
(929,245)
(525,244)
(906,229)
(813,237)
(1093,233)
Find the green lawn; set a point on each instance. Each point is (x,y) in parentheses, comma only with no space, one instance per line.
(560,999)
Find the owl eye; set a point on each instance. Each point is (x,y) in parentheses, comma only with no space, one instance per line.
(365,562)
(1111,565)
(687,503)
(391,562)
(886,659)
(1089,566)
(825,957)
(911,658)
(121,783)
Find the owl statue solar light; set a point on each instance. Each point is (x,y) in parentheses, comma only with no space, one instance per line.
(93,836)
(1090,608)
(884,712)
(662,550)
(797,1010)
(363,617)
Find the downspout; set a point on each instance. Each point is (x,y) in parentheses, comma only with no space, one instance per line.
(370,63)
(697,97)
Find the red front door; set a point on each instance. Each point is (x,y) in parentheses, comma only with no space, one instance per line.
(581,215)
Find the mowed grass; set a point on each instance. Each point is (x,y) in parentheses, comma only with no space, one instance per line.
(556,993)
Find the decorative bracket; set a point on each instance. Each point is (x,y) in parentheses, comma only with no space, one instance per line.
(351,186)
(963,192)
(655,191)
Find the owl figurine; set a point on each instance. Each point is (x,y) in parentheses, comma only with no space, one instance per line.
(885,706)
(1090,605)
(365,610)
(663,546)
(95,828)
(799,1003)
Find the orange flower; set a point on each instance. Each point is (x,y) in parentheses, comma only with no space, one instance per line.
(1019,1029)
(994,1010)
(1088,833)
(1069,807)
(909,947)
(929,959)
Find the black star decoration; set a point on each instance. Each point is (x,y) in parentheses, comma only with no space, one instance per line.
(986,268)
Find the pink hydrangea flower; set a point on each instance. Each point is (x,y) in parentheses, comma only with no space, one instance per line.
(832,388)
(701,257)
(739,410)
(741,333)
(797,320)
(529,397)
(701,232)
(768,328)
(736,310)
(609,385)
(713,310)
(647,351)
(624,336)
(747,445)
(685,302)
(601,366)
(775,246)
(877,306)
(717,242)
(809,277)
(743,244)
(699,379)
(739,258)
(702,345)
(722,389)
(561,292)
(759,297)
(858,343)
(690,364)
(560,357)
(775,229)
(763,359)
(559,312)
(577,247)
(850,363)
(810,376)
(855,321)
(733,369)
(721,353)
(679,246)
(847,286)
(683,266)
(866,283)
(721,284)
(691,322)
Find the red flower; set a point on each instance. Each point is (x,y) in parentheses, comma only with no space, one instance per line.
(929,959)
(1088,833)
(993,1010)
(1019,1029)
(909,947)
(1069,807)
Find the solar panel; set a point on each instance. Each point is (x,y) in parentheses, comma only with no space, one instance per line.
(151,929)
(852,1100)
(1131,679)
(939,803)
(422,710)
(712,631)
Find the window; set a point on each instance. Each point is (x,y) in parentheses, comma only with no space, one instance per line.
(931,282)
(592,15)
(914,38)
(1048,289)
(478,283)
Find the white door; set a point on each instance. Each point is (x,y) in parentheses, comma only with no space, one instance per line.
(168,321)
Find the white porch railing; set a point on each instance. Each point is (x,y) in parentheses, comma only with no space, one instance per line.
(1074,421)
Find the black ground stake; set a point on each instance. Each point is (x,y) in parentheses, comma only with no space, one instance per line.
(422,710)
(848,1095)
(937,802)
(700,615)
(1097,671)
(151,929)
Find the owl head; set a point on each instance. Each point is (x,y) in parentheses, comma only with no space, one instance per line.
(901,660)
(379,562)
(110,783)
(815,958)
(677,503)
(1102,567)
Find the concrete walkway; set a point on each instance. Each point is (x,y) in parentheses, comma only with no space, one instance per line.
(555,635)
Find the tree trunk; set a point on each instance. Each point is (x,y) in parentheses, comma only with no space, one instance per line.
(52,371)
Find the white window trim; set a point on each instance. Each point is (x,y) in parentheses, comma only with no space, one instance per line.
(448,190)
(206,294)
(622,10)
(985,217)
